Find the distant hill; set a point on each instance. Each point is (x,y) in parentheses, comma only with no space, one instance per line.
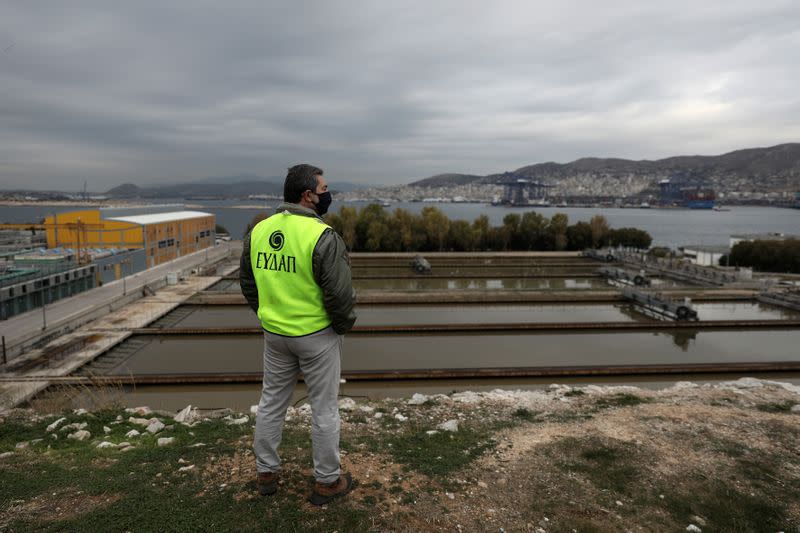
(197,189)
(341,186)
(223,187)
(775,168)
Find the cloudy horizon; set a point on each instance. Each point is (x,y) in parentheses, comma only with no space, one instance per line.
(383,93)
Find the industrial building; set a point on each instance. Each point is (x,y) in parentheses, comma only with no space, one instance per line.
(88,248)
(163,232)
(35,291)
(705,255)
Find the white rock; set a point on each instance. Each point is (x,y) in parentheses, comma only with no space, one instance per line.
(142,411)
(468,397)
(417,399)
(186,468)
(127,448)
(450,495)
(619,503)
(81,434)
(185,415)
(106,444)
(347,404)
(450,425)
(132,433)
(693,528)
(795,408)
(743,383)
(36,441)
(75,425)
(22,445)
(6,454)
(366,408)
(238,421)
(52,427)
(253,409)
(183,461)
(123,445)
(164,441)
(378,415)
(680,385)
(80,412)
(155,426)
(431,432)
(139,421)
(699,520)
(482,484)
(106,430)
(119,418)
(304,409)
(400,418)
(198,445)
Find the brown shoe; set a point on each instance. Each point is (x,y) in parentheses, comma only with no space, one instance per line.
(267,483)
(325,492)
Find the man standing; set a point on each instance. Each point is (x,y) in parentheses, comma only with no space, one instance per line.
(295,274)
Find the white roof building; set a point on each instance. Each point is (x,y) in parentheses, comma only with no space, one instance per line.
(157,218)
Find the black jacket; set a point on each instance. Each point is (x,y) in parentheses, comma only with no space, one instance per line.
(331,266)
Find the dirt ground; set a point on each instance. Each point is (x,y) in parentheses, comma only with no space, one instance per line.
(721,457)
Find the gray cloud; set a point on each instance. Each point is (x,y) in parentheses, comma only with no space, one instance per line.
(382,92)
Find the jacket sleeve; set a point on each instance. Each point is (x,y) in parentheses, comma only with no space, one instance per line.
(332,272)
(247,280)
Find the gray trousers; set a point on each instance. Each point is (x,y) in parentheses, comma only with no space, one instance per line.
(318,356)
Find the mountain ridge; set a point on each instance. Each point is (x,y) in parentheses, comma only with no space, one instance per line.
(220,187)
(769,168)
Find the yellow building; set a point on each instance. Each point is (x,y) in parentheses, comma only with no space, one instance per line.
(165,235)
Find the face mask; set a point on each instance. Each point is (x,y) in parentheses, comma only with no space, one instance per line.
(324,203)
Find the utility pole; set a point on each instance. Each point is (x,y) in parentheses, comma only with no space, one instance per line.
(44,314)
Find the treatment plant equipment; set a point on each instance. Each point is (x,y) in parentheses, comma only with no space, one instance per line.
(789,299)
(421,265)
(197,338)
(606,254)
(671,268)
(622,276)
(658,306)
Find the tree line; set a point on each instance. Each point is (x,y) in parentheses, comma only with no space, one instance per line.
(374,229)
(766,256)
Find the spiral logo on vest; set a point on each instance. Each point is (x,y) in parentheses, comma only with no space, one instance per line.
(276,240)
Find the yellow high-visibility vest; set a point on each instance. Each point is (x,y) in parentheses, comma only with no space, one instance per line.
(290,301)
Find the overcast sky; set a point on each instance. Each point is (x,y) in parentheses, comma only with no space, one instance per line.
(383,92)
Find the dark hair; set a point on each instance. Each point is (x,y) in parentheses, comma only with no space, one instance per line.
(300,178)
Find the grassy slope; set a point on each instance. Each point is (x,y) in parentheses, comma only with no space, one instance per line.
(410,480)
